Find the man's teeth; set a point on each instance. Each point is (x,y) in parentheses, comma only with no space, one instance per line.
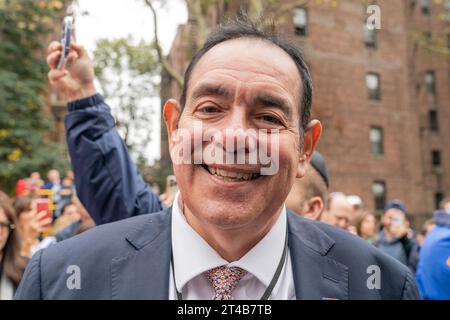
(231,175)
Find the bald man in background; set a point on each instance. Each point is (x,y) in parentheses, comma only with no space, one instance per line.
(338,212)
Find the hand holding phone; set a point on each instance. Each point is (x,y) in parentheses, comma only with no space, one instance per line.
(398,226)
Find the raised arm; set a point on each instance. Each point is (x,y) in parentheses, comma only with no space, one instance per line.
(108,183)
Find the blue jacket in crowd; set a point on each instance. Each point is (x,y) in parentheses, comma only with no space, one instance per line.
(399,249)
(433,271)
(107,181)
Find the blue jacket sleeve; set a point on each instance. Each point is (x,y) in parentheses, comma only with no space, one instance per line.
(108,183)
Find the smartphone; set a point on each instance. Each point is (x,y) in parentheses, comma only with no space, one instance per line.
(43,204)
(66,32)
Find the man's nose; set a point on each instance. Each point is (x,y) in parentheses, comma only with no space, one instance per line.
(237,134)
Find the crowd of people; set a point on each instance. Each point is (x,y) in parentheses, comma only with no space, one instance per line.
(27,227)
(390,232)
(25,230)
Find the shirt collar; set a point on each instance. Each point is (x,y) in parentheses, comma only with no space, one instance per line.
(192,255)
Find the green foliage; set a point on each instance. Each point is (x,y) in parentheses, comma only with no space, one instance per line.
(24,124)
(158,173)
(128,74)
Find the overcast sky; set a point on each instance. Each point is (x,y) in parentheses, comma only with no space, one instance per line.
(120,18)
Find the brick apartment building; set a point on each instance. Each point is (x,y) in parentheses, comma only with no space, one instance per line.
(382,96)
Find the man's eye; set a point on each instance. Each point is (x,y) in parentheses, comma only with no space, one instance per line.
(208,109)
(270,119)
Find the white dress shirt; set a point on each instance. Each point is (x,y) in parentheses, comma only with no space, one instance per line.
(192,256)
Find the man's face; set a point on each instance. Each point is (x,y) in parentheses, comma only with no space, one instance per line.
(72,212)
(340,212)
(239,85)
(368,225)
(390,215)
(53,176)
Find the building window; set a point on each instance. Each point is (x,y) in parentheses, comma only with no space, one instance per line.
(433,120)
(300,20)
(438,197)
(425,6)
(436,158)
(379,194)
(370,37)
(376,140)
(373,86)
(430,82)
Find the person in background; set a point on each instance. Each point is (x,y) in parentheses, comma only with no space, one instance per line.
(66,193)
(355,201)
(54,184)
(433,270)
(309,194)
(338,212)
(86,220)
(70,175)
(155,188)
(30,224)
(415,251)
(168,196)
(12,264)
(366,226)
(357,206)
(34,182)
(74,220)
(395,237)
(69,215)
(22,188)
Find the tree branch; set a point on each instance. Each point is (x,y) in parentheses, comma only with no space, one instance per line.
(195,8)
(162,59)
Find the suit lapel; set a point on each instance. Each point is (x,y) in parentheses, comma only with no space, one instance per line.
(143,271)
(316,276)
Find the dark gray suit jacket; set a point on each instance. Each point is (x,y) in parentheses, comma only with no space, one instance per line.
(130,259)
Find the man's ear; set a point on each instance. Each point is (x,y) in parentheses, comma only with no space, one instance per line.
(171,113)
(315,208)
(310,139)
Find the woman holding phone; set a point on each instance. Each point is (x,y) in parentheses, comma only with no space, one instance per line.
(12,263)
(31,223)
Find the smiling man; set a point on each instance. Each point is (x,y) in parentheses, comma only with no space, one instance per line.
(228,234)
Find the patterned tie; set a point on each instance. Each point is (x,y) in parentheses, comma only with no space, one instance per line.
(224,279)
